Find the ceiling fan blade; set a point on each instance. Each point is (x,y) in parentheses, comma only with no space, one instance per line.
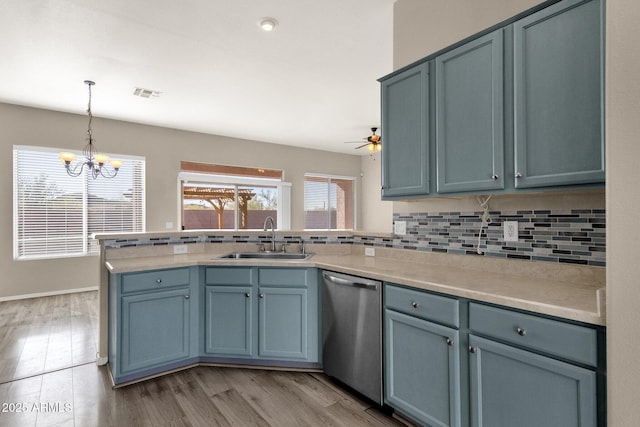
(363,145)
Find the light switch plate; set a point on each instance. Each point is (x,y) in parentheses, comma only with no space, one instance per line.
(400,228)
(511,231)
(180,249)
(370,251)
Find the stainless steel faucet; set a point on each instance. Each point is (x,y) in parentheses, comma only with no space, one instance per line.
(273,232)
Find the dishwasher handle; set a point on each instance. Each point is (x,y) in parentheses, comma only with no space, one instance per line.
(346,282)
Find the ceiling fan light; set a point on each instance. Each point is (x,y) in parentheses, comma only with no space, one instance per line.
(371,147)
(378,147)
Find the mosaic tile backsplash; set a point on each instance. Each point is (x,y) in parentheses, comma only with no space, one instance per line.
(576,236)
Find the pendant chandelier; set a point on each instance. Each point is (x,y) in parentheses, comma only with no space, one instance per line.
(96,164)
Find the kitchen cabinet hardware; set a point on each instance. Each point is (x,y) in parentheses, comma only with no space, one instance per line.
(158,281)
(247,294)
(472,350)
(521,331)
(518,175)
(414,304)
(186,296)
(449,342)
(261,295)
(494,177)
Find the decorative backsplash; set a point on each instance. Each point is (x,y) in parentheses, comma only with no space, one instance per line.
(576,236)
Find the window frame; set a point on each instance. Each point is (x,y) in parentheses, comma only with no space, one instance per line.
(354,181)
(87,248)
(283,188)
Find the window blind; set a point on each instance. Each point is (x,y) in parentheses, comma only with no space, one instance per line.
(55,214)
(328,202)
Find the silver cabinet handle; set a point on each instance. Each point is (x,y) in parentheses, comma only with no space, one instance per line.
(494,177)
(186,297)
(449,342)
(158,281)
(521,331)
(414,304)
(519,175)
(261,295)
(472,350)
(247,295)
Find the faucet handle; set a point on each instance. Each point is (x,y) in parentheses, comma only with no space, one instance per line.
(282,248)
(260,247)
(302,246)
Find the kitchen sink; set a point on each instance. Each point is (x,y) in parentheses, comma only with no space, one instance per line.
(284,256)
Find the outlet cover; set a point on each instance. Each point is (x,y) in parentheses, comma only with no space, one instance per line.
(370,251)
(511,231)
(400,228)
(180,249)
(168,225)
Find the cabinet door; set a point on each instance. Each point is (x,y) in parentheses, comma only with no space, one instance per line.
(513,387)
(155,329)
(405,133)
(422,369)
(228,320)
(558,65)
(283,323)
(470,116)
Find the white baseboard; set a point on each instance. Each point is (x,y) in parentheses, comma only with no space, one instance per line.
(48,294)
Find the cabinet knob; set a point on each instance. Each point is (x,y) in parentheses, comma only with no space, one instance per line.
(472,350)
(521,331)
(261,295)
(414,304)
(494,177)
(158,281)
(449,342)
(247,295)
(519,175)
(186,297)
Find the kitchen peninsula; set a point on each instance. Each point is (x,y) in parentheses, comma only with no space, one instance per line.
(559,309)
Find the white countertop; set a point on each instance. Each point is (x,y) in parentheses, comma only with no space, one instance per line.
(570,292)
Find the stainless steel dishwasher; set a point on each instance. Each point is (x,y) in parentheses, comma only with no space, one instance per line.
(352,332)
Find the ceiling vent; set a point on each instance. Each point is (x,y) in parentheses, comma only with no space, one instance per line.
(145,93)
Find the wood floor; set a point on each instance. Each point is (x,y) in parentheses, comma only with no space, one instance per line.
(82,395)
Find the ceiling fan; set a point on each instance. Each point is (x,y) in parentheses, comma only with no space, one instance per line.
(373,144)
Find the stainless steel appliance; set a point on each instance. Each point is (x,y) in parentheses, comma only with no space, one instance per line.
(352,332)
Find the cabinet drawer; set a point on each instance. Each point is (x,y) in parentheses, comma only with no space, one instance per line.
(422,304)
(229,276)
(282,277)
(135,282)
(554,337)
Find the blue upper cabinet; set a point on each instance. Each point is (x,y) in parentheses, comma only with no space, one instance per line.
(470,116)
(558,84)
(517,108)
(405,133)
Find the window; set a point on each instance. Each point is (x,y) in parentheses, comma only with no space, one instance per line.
(328,202)
(241,199)
(56,214)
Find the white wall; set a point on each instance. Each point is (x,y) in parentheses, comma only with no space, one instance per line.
(164,149)
(376,215)
(623,205)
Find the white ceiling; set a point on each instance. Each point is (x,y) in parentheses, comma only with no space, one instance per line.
(311,82)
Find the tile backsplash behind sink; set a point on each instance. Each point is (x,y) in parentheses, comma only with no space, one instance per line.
(575,236)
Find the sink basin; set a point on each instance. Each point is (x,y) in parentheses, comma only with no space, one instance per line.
(285,256)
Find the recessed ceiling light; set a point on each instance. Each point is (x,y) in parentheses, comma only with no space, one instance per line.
(268,24)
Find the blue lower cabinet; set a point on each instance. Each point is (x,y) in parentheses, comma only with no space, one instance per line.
(261,315)
(229,320)
(155,329)
(514,387)
(283,323)
(422,369)
(153,322)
